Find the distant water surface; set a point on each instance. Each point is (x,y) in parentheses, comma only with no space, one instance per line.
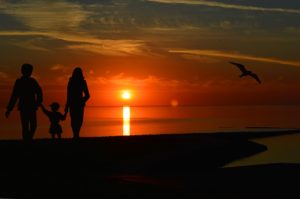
(118,121)
(109,121)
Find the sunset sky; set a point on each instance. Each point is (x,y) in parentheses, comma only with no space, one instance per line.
(161,50)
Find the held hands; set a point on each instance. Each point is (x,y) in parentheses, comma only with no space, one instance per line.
(7,113)
(66,109)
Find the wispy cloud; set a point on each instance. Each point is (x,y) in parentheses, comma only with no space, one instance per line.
(294,30)
(30,44)
(227,5)
(112,48)
(221,54)
(3,76)
(90,44)
(150,81)
(46,15)
(59,67)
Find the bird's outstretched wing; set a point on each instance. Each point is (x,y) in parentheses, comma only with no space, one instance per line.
(240,66)
(255,77)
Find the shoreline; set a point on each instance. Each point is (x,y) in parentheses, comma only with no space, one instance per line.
(152,165)
(247,133)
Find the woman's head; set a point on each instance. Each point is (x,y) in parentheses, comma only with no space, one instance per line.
(77,74)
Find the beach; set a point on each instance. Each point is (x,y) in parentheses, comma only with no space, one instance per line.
(183,165)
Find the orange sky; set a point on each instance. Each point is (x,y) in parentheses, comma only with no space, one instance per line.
(161,50)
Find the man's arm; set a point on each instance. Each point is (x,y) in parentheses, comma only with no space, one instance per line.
(13,99)
(39,94)
(45,110)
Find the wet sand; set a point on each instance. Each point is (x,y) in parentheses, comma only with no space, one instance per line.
(185,165)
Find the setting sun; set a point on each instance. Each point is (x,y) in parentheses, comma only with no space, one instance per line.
(126,95)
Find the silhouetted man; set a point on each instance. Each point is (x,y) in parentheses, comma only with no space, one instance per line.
(29,94)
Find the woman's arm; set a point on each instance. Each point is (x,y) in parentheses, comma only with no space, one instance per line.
(86,92)
(64,116)
(68,97)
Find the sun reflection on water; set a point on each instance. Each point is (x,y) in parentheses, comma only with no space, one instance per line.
(126,121)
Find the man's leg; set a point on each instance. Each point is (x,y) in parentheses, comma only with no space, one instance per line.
(33,124)
(25,124)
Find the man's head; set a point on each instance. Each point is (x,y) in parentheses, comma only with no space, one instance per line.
(27,70)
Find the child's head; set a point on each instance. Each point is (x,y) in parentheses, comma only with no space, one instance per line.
(54,106)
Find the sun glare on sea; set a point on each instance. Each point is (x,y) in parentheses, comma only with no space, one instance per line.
(126,121)
(126,95)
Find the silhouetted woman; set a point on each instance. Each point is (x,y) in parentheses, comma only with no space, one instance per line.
(78,95)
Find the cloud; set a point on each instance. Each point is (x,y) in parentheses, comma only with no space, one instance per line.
(222,54)
(227,5)
(46,15)
(152,82)
(91,44)
(121,80)
(3,76)
(112,47)
(59,67)
(293,30)
(30,44)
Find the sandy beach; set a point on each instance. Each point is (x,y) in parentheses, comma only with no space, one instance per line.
(185,165)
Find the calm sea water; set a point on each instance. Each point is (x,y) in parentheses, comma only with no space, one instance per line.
(109,121)
(118,121)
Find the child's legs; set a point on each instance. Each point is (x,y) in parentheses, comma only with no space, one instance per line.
(53,136)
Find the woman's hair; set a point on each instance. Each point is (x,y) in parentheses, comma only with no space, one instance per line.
(77,74)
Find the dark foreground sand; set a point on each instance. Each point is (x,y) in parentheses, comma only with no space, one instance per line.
(168,166)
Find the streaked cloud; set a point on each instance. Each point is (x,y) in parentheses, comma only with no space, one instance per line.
(90,44)
(3,75)
(59,67)
(112,48)
(150,81)
(231,55)
(227,5)
(294,30)
(46,15)
(29,44)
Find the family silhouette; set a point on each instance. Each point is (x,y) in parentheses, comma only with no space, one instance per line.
(29,95)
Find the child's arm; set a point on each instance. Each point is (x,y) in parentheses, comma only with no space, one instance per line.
(45,110)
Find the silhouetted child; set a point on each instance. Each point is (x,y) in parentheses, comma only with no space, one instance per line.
(55,117)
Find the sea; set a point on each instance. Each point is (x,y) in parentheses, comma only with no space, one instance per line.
(149,120)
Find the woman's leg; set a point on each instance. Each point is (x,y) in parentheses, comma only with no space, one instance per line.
(77,114)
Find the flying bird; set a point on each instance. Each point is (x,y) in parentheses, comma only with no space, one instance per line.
(246,72)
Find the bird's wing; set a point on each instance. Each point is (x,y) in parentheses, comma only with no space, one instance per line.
(255,77)
(240,66)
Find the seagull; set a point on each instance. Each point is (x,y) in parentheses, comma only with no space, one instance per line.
(246,72)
